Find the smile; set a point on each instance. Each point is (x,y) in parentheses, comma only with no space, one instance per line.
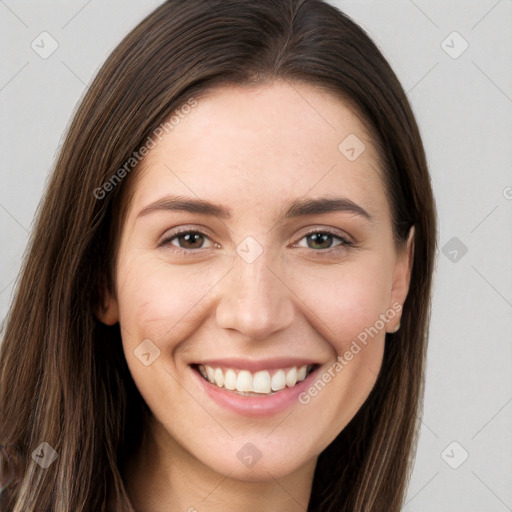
(263,382)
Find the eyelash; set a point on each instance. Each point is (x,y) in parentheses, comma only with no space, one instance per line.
(321,252)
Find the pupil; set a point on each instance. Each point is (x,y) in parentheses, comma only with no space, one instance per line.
(323,236)
(191,237)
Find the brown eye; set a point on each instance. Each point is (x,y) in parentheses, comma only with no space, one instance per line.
(186,241)
(191,240)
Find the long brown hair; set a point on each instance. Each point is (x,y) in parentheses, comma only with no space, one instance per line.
(63,376)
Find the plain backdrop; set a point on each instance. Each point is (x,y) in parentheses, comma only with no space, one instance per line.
(454,60)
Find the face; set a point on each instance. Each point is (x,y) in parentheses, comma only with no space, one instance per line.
(254,307)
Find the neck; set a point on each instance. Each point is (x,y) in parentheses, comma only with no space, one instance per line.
(163,476)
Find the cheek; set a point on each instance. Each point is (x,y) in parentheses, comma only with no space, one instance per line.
(163,303)
(155,300)
(347,303)
(347,299)
(348,307)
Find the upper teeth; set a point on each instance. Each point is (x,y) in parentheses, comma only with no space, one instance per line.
(258,382)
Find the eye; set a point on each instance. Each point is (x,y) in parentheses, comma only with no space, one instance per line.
(322,239)
(186,240)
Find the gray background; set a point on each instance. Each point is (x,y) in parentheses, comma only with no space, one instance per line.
(463,103)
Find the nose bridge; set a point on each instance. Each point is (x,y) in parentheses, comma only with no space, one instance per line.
(253,299)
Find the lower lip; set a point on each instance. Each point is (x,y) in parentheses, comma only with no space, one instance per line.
(255,406)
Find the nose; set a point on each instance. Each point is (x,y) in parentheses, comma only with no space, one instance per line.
(254,299)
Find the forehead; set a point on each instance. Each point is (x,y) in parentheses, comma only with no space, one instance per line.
(265,145)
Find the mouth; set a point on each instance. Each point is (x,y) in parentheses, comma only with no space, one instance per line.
(264,382)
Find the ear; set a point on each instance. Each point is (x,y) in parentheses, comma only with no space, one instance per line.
(108,311)
(402,273)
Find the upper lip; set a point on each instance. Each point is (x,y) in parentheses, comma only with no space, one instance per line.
(256,365)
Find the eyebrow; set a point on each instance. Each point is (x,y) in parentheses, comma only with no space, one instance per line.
(298,208)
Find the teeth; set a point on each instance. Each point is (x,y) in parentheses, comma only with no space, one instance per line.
(230,380)
(301,373)
(210,372)
(291,377)
(260,382)
(219,377)
(278,380)
(244,381)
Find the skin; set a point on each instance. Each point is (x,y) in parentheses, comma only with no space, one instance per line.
(253,150)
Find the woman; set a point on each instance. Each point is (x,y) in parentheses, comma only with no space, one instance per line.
(178,340)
